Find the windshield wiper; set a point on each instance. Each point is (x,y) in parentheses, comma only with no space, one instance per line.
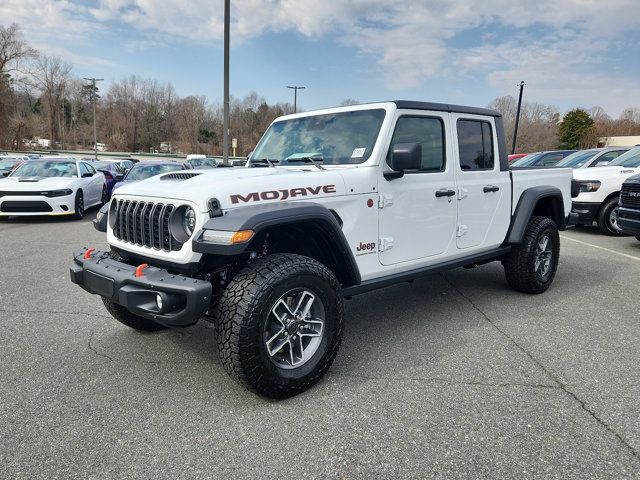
(314,160)
(270,162)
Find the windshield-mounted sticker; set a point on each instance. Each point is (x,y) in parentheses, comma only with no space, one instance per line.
(358,152)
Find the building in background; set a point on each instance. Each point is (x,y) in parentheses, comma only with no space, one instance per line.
(622,141)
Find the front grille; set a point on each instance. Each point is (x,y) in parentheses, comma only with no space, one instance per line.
(179,176)
(25,207)
(630,194)
(145,224)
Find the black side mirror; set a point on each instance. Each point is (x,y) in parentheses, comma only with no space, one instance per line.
(404,156)
(119,176)
(6,174)
(87,175)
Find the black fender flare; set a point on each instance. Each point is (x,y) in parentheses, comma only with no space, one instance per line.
(526,206)
(262,217)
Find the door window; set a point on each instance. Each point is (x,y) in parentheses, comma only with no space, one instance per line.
(607,157)
(475,145)
(84,169)
(429,133)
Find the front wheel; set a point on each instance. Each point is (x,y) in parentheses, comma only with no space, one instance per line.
(104,198)
(608,218)
(79,205)
(531,266)
(279,324)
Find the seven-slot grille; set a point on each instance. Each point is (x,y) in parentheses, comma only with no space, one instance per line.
(630,194)
(145,224)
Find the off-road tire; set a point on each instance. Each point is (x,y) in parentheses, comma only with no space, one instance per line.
(129,319)
(604,218)
(244,309)
(78,206)
(519,264)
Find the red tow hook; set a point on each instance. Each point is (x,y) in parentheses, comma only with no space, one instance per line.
(140,269)
(87,254)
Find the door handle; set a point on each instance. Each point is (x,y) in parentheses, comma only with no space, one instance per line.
(445,193)
(490,188)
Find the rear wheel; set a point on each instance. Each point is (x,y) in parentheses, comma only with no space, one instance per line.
(79,205)
(608,218)
(129,319)
(104,198)
(279,324)
(531,266)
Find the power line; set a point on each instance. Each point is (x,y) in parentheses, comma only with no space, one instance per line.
(93,100)
(295,89)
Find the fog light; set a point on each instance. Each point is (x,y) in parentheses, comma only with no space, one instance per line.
(159,302)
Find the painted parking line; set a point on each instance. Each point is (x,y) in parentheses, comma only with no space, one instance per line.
(632,257)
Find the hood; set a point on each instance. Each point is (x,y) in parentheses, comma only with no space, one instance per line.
(28,184)
(603,173)
(237,187)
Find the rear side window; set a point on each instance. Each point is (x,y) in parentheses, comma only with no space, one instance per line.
(475,145)
(84,169)
(428,132)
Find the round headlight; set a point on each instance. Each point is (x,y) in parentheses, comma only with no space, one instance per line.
(189,221)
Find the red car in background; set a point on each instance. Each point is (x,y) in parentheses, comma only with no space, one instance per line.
(516,156)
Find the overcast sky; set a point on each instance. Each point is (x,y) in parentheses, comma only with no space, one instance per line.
(569,52)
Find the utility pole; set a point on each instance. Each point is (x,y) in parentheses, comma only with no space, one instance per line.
(295,89)
(93,100)
(515,131)
(225,119)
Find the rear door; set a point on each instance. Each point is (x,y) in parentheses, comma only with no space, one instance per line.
(484,191)
(417,215)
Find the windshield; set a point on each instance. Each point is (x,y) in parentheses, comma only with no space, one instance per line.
(577,159)
(526,161)
(7,163)
(140,172)
(49,168)
(203,163)
(629,159)
(336,138)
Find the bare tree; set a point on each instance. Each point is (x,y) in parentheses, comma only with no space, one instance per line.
(50,77)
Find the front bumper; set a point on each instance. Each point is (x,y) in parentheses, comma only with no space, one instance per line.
(629,220)
(31,205)
(184,299)
(586,212)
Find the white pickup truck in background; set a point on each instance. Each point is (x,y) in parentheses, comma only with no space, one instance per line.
(600,191)
(332,203)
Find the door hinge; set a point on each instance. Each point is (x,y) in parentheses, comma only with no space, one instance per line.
(462,230)
(462,193)
(385,244)
(384,200)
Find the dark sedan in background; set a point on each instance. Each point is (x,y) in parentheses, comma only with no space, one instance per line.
(113,173)
(541,159)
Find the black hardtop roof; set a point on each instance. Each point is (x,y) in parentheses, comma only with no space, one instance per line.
(445,107)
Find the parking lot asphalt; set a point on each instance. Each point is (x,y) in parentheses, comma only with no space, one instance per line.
(452,376)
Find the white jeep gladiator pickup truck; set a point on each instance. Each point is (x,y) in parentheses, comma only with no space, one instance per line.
(600,191)
(331,204)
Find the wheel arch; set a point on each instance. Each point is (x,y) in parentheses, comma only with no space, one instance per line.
(303,228)
(543,201)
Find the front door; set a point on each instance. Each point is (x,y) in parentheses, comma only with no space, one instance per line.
(417,215)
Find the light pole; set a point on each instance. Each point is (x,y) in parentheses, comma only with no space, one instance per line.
(295,89)
(515,130)
(225,114)
(93,100)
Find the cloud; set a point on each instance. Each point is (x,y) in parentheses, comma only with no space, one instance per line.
(409,41)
